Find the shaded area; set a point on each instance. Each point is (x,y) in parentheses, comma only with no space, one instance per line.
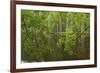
(54,36)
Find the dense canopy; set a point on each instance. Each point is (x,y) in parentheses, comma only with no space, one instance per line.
(54,36)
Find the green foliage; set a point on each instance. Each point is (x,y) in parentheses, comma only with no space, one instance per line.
(54,36)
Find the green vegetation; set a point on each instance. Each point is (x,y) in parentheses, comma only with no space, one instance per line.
(54,36)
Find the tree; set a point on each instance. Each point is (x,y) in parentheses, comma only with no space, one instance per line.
(54,36)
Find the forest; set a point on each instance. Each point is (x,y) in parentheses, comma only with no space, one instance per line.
(54,36)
